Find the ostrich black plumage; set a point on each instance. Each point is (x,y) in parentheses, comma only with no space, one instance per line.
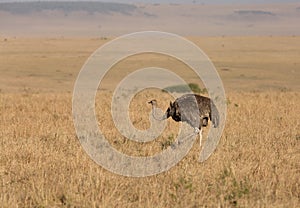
(194,109)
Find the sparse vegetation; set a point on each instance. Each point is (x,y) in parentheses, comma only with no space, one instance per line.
(165,144)
(235,189)
(42,163)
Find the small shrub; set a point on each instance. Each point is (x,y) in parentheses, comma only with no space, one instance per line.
(168,142)
(231,188)
(185,88)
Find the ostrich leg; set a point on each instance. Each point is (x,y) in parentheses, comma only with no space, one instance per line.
(199,131)
(200,137)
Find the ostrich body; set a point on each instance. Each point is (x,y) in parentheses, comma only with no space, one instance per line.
(194,109)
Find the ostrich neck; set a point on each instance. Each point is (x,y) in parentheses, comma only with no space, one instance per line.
(157,117)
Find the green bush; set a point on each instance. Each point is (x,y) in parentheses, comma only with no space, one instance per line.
(185,88)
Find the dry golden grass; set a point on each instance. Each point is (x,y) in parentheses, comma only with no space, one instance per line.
(42,163)
(255,164)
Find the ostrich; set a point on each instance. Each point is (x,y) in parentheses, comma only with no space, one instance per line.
(185,109)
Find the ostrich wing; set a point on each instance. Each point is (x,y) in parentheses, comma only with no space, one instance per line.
(188,109)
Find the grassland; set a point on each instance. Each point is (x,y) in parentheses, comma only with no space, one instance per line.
(255,165)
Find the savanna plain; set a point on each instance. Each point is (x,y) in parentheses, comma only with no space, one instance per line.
(256,163)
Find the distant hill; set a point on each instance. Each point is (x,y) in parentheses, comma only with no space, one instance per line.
(67,6)
(95,18)
(254,12)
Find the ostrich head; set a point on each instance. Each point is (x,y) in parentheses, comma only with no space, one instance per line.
(153,103)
